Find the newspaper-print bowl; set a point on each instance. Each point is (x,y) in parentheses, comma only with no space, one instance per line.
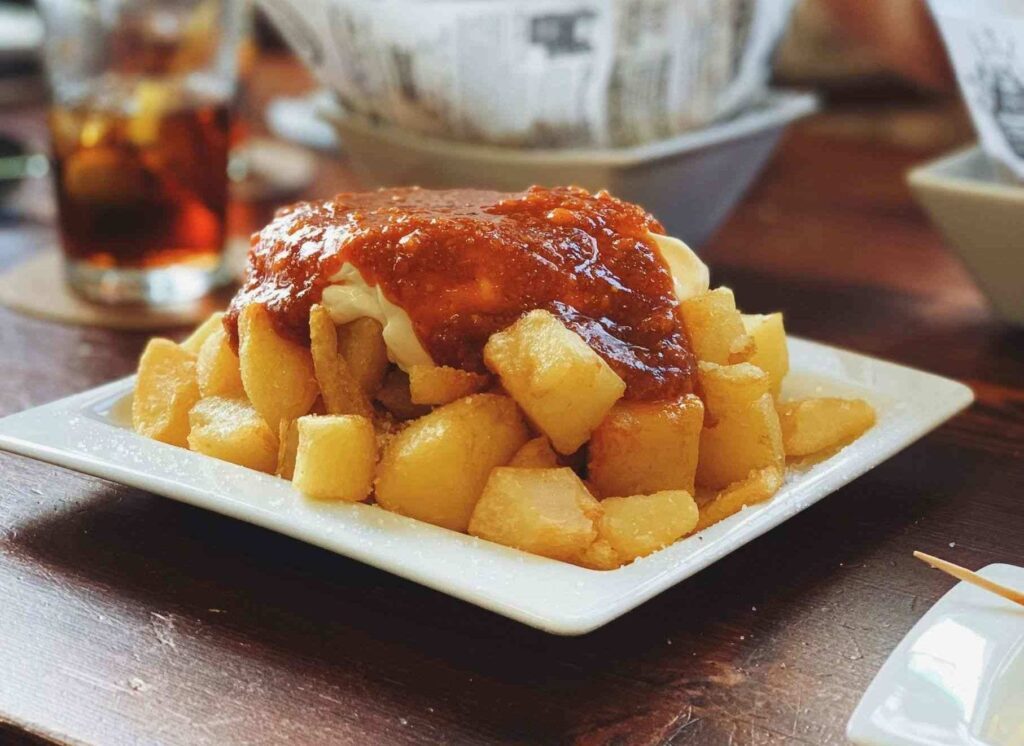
(538,73)
(690,182)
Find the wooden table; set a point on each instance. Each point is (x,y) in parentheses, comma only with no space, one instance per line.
(127,618)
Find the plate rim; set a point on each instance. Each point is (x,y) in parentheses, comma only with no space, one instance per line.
(590,598)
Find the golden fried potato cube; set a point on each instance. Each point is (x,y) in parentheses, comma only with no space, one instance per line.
(336,457)
(232,430)
(396,396)
(638,525)
(287,447)
(756,487)
(436,468)
(340,390)
(645,447)
(165,390)
(600,555)
(771,353)
(439,384)
(361,343)
(217,367)
(194,341)
(277,374)
(564,387)
(715,328)
(535,454)
(544,511)
(741,430)
(815,425)
(730,388)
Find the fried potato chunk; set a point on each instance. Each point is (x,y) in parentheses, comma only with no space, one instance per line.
(771,353)
(194,341)
(729,388)
(439,384)
(543,511)
(645,447)
(361,343)
(336,457)
(396,396)
(715,328)
(741,431)
(436,468)
(758,486)
(232,430)
(564,387)
(814,425)
(165,390)
(217,367)
(288,446)
(638,525)
(535,454)
(341,391)
(600,555)
(277,374)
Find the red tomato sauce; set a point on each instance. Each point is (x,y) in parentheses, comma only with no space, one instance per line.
(466,263)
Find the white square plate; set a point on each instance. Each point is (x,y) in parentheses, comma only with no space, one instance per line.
(956,679)
(89,432)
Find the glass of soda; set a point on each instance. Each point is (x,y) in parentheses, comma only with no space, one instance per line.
(140,124)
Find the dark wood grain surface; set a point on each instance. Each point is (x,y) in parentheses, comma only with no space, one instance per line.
(126,618)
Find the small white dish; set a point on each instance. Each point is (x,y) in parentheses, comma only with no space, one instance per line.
(956,679)
(980,211)
(690,182)
(89,432)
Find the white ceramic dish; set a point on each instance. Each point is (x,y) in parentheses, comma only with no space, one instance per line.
(980,211)
(956,679)
(89,432)
(689,182)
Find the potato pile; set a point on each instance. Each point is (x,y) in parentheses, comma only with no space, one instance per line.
(544,454)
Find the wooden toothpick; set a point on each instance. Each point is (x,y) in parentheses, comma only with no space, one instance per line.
(962,573)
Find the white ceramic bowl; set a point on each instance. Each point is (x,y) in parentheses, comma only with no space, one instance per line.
(690,182)
(981,215)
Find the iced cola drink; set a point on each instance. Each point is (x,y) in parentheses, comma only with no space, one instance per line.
(142,92)
(144,186)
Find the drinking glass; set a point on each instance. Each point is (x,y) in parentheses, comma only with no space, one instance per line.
(140,117)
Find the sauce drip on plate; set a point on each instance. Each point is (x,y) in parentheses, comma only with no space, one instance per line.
(466,263)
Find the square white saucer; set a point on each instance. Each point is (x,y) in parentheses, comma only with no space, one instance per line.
(956,679)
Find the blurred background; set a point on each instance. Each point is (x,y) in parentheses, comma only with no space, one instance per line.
(698,98)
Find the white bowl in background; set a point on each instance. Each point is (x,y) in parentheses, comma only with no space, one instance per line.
(690,182)
(981,215)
